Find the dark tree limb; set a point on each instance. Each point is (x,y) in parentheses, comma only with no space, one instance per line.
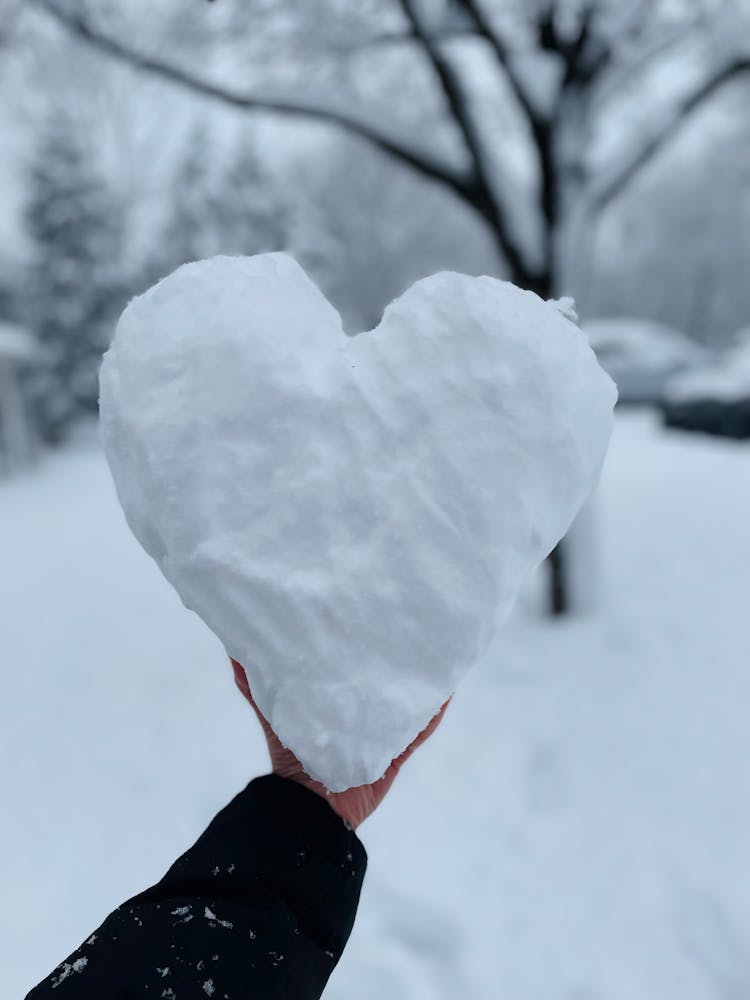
(503,55)
(587,55)
(559,597)
(409,37)
(661,134)
(428,163)
(483,197)
(540,127)
(449,80)
(621,75)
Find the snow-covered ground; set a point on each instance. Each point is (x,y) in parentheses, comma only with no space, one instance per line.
(578,828)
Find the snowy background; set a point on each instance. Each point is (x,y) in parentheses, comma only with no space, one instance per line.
(578,828)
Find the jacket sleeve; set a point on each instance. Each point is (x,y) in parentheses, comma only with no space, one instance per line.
(260,907)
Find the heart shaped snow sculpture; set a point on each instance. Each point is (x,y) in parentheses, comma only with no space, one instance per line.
(350,515)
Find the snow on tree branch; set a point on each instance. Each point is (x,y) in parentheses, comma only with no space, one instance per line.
(503,55)
(661,130)
(360,121)
(440,34)
(483,195)
(625,71)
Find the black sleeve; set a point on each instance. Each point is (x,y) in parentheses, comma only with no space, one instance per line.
(260,907)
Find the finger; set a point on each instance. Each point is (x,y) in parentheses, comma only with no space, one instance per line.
(428,730)
(240,679)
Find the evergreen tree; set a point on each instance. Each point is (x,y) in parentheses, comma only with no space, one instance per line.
(74,289)
(252,219)
(231,210)
(195,202)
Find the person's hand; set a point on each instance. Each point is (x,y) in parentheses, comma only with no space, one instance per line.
(355,804)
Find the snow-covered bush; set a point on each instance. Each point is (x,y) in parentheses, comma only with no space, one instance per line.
(642,355)
(740,342)
(716,398)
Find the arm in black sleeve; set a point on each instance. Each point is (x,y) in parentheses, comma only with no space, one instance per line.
(260,907)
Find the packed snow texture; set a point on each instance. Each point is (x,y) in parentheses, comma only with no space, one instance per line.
(349,515)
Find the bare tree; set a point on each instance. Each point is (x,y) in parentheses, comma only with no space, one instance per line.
(365,231)
(580,78)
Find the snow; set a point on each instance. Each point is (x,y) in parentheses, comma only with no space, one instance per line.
(351,516)
(211,916)
(15,343)
(68,968)
(728,379)
(540,77)
(370,123)
(578,827)
(641,355)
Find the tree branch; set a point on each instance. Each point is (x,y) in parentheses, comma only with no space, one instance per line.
(620,75)
(483,196)
(449,82)
(662,133)
(581,66)
(401,37)
(637,18)
(360,122)
(503,55)
(541,126)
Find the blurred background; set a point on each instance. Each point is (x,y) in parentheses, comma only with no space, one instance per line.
(578,828)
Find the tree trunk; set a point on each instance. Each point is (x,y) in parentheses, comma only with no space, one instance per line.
(558,597)
(558,591)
